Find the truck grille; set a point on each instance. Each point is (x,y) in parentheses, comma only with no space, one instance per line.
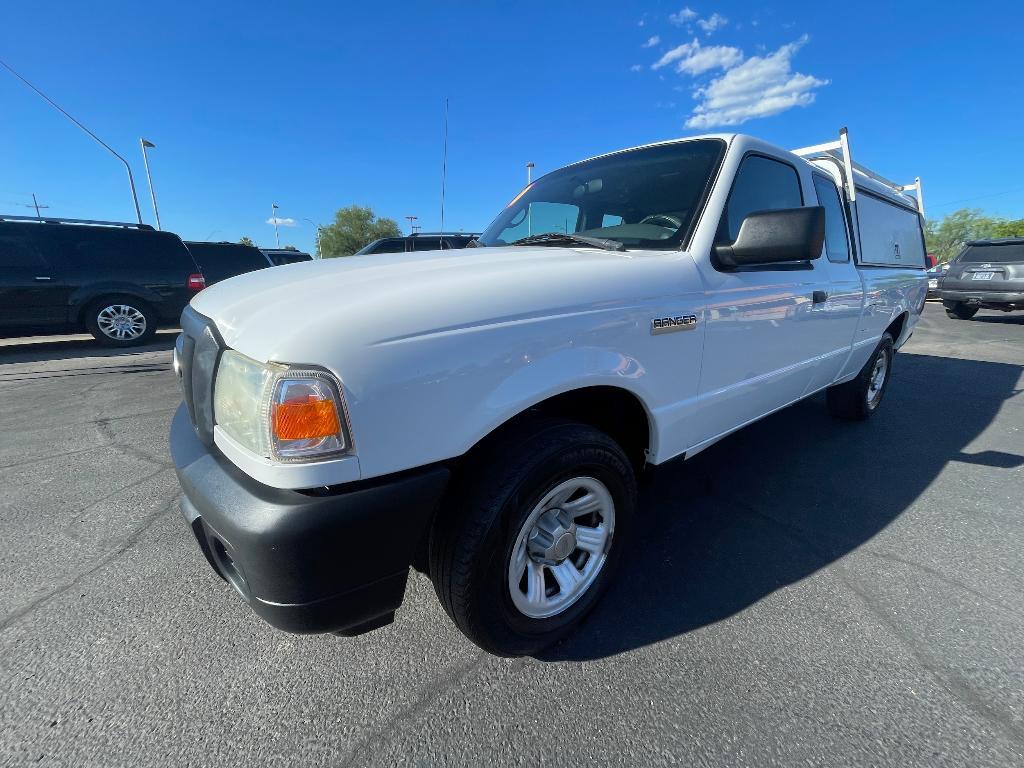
(198,350)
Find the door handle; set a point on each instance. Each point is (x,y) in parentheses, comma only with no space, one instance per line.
(819,297)
(43,278)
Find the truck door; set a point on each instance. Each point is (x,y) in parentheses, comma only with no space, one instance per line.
(836,319)
(763,337)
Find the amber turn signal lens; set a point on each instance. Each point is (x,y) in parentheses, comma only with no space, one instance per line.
(305,419)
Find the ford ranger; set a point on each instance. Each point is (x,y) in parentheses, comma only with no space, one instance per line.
(482,415)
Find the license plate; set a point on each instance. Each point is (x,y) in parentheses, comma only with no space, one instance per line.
(982,275)
(933,283)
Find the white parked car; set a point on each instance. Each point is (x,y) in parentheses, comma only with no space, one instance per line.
(482,414)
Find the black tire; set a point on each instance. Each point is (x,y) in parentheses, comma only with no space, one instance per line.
(856,400)
(135,308)
(472,541)
(960,311)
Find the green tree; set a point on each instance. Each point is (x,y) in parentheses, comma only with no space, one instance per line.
(243,240)
(354,227)
(1010,228)
(945,237)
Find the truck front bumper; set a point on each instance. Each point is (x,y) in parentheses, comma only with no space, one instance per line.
(323,560)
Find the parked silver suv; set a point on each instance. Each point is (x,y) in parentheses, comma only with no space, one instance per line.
(986,274)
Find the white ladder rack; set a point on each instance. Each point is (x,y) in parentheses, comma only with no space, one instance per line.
(840,151)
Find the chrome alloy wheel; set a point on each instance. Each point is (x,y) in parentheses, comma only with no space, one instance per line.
(122,322)
(561,548)
(877,380)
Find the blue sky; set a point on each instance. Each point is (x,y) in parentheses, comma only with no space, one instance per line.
(319,105)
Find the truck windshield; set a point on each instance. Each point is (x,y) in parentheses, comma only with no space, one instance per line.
(642,198)
(993,253)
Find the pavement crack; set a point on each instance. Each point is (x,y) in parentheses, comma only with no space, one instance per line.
(32,606)
(427,696)
(937,574)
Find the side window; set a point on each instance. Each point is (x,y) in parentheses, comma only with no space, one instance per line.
(17,252)
(762,184)
(427,244)
(395,245)
(837,246)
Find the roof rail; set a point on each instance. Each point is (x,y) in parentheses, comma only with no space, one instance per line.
(53,220)
(840,151)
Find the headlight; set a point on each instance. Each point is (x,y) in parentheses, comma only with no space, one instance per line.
(287,414)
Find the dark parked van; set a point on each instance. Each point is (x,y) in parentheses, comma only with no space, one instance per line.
(118,281)
(421,241)
(279,256)
(219,261)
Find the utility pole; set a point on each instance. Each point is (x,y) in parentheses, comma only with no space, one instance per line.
(145,161)
(101,142)
(529,208)
(444,169)
(412,225)
(36,205)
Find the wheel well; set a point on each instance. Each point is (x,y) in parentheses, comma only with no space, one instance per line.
(895,328)
(85,306)
(613,410)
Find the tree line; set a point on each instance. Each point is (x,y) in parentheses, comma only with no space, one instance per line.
(946,236)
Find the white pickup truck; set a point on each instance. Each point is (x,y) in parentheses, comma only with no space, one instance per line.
(482,415)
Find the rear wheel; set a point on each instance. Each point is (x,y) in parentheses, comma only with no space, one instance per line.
(856,400)
(120,321)
(960,311)
(534,536)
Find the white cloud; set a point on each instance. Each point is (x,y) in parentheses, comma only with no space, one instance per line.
(759,87)
(651,42)
(694,59)
(636,68)
(683,16)
(281,222)
(712,22)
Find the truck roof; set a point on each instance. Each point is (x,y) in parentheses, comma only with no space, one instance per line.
(831,153)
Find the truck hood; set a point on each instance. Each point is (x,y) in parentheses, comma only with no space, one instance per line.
(287,313)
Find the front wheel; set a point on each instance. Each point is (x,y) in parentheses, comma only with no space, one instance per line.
(533,539)
(859,398)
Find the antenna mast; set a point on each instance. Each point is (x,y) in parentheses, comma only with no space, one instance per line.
(444,168)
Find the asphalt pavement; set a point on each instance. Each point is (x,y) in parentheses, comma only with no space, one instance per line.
(806,592)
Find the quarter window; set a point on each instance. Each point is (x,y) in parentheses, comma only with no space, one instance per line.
(837,245)
(762,184)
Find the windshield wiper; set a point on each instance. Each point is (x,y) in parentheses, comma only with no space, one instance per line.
(560,238)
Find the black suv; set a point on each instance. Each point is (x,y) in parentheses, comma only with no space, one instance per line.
(219,261)
(118,281)
(280,256)
(986,273)
(421,241)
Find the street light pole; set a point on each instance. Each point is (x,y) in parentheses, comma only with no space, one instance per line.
(529,173)
(319,255)
(273,216)
(149,177)
(55,105)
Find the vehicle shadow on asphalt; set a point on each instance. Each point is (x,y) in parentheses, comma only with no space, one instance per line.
(783,498)
(40,349)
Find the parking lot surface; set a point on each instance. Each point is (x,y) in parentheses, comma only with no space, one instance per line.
(804,592)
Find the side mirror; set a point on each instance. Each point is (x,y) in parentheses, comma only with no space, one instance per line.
(771,237)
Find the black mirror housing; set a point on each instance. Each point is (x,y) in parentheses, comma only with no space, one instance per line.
(773,237)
